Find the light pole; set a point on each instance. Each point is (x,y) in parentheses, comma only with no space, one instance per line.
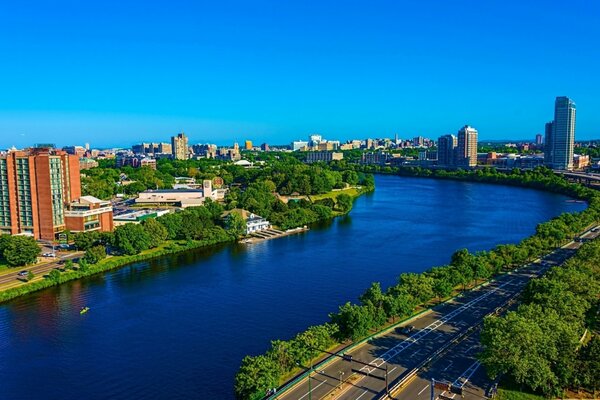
(341,376)
(309,382)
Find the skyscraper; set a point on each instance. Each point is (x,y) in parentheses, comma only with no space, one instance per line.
(548,151)
(538,139)
(179,146)
(561,134)
(446,150)
(248,145)
(35,186)
(466,150)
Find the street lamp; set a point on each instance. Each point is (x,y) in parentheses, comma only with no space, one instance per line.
(341,376)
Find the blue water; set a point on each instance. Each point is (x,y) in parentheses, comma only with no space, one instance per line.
(178,327)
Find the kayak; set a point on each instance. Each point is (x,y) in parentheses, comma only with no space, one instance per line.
(84,310)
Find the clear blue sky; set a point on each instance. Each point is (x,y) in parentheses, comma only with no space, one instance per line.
(115,73)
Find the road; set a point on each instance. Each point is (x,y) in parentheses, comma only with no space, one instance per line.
(38,270)
(402,354)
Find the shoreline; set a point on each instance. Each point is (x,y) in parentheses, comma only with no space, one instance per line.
(116,262)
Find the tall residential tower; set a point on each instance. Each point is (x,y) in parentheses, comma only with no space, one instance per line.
(560,135)
(466,150)
(446,150)
(179,147)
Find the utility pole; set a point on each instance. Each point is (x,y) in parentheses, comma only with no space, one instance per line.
(387,388)
(432,389)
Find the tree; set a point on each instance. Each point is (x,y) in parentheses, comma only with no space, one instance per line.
(156,231)
(236,224)
(20,250)
(29,276)
(131,239)
(54,276)
(354,321)
(85,240)
(69,264)
(344,202)
(94,254)
(256,375)
(442,288)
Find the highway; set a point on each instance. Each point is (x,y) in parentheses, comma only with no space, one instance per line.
(11,277)
(410,358)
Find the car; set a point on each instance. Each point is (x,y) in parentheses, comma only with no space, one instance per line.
(23,273)
(49,255)
(595,229)
(407,329)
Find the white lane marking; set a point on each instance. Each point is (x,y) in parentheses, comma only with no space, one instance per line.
(422,390)
(392,370)
(313,389)
(414,338)
(464,378)
(451,362)
(365,392)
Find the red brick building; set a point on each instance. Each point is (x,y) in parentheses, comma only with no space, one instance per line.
(35,186)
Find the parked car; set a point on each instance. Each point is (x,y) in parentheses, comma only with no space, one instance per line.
(49,255)
(407,329)
(23,273)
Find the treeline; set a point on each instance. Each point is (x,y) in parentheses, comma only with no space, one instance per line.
(376,307)
(538,345)
(192,224)
(286,172)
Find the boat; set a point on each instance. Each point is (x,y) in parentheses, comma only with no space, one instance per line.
(84,310)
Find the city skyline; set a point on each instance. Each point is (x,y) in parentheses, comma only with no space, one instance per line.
(273,73)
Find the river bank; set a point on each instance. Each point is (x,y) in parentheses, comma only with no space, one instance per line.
(167,248)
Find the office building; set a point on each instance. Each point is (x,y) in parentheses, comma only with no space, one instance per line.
(179,147)
(324,156)
(446,150)
(35,186)
(248,145)
(264,147)
(560,135)
(466,148)
(89,214)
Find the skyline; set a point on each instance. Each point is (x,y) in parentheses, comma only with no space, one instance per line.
(117,75)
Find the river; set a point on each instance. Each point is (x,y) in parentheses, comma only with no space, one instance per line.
(177,327)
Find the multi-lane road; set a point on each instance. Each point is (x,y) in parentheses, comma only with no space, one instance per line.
(9,278)
(442,346)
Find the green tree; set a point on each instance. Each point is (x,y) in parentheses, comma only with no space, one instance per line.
(30,276)
(236,224)
(442,288)
(95,254)
(344,202)
(20,250)
(85,240)
(131,239)
(156,231)
(255,376)
(54,276)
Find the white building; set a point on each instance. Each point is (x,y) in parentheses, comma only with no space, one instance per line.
(181,197)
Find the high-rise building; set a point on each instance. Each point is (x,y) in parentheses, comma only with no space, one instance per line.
(539,139)
(264,147)
(558,151)
(446,150)
(548,128)
(248,145)
(35,186)
(466,149)
(179,146)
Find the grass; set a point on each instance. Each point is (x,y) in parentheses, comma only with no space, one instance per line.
(509,390)
(352,191)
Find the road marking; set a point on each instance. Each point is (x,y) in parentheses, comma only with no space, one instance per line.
(313,389)
(365,392)
(422,390)
(451,362)
(414,338)
(465,376)
(392,370)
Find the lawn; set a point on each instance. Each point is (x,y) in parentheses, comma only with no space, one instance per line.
(335,193)
(511,391)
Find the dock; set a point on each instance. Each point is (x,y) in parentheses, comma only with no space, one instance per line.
(272,233)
